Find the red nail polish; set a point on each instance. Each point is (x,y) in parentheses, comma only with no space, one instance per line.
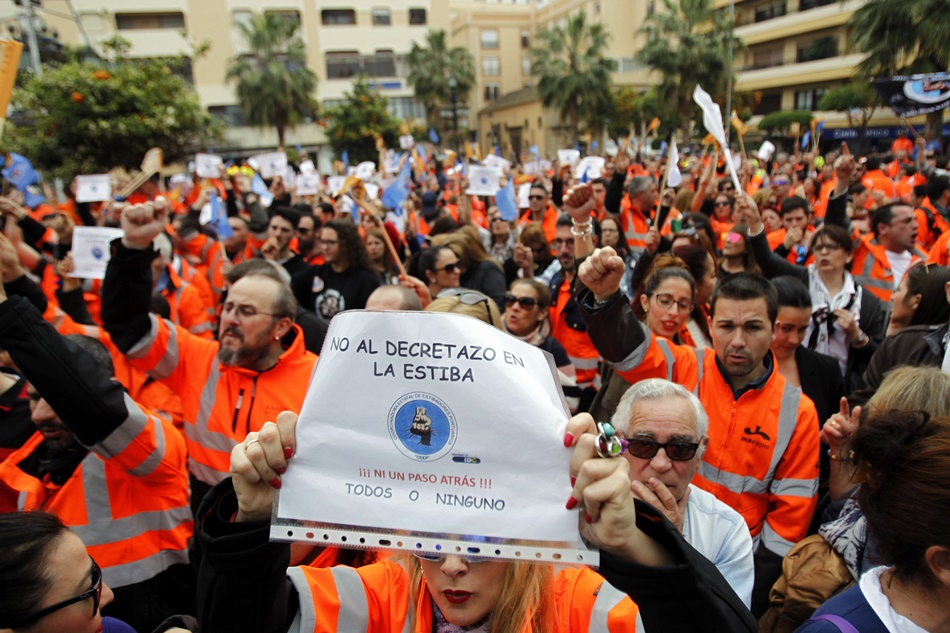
(571,503)
(280,471)
(573,481)
(588,518)
(568,440)
(275,483)
(288,452)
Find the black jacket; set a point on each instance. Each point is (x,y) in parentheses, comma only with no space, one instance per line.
(240,567)
(821,380)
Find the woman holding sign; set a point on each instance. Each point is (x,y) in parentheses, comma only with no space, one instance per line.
(656,581)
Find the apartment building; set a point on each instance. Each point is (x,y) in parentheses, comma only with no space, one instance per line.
(344,38)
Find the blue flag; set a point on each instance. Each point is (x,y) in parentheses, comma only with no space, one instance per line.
(806,138)
(354,211)
(345,157)
(422,153)
(260,188)
(498,150)
(593,145)
(819,128)
(534,150)
(396,194)
(219,218)
(505,201)
(433,136)
(19,172)
(663,147)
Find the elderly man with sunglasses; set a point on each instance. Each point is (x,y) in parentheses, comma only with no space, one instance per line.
(665,428)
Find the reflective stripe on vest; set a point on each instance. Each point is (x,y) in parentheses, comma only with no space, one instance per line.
(354,612)
(144,568)
(633,360)
(608,597)
(305,620)
(584,363)
(200,433)
(700,358)
(169,361)
(664,346)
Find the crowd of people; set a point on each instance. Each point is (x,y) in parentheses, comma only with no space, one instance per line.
(775,357)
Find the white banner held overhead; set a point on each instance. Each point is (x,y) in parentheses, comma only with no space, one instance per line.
(568,156)
(270,164)
(365,170)
(334,184)
(93,188)
(593,166)
(497,162)
(712,121)
(483,181)
(308,184)
(428,462)
(208,165)
(91,252)
(673,176)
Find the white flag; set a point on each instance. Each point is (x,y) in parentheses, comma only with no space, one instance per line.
(712,121)
(673,175)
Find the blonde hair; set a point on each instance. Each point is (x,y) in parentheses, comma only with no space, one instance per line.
(477,310)
(526,600)
(466,245)
(913,389)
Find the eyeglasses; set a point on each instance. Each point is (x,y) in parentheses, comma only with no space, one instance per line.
(95,593)
(536,197)
(303,230)
(329,242)
(449,268)
(677,451)
(826,248)
(469,298)
(525,302)
(780,181)
(666,302)
(733,238)
(723,203)
(243,311)
(557,243)
(438,558)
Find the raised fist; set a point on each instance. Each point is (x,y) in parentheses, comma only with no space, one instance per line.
(143,222)
(579,202)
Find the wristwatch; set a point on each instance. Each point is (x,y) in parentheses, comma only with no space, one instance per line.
(862,340)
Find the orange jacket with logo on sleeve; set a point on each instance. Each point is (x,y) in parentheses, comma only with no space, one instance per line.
(872,269)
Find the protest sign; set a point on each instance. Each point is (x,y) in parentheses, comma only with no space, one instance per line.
(766,150)
(372,190)
(568,156)
(334,184)
(914,95)
(483,181)
(523,191)
(91,252)
(307,167)
(406,141)
(208,165)
(270,165)
(496,162)
(365,170)
(429,463)
(93,188)
(589,167)
(308,184)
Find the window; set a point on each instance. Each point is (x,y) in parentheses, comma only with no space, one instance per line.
(808,99)
(490,66)
(805,5)
(770,11)
(231,115)
(489,38)
(526,65)
(417,17)
(382,64)
(767,57)
(343,64)
(768,102)
(240,18)
(404,108)
(821,48)
(135,21)
(291,16)
(525,39)
(337,17)
(382,17)
(492,92)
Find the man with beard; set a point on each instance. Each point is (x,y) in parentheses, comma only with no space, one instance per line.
(567,326)
(108,468)
(308,244)
(280,231)
(258,367)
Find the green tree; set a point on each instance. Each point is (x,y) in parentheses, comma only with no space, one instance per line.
(85,118)
(781,122)
(272,81)
(909,36)
(355,124)
(430,68)
(572,69)
(688,44)
(855,98)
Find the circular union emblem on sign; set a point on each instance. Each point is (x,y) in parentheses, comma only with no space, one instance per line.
(97,252)
(422,426)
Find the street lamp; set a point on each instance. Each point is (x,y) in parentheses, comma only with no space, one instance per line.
(453,86)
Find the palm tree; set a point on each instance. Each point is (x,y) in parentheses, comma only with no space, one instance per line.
(430,68)
(274,85)
(909,36)
(687,44)
(572,70)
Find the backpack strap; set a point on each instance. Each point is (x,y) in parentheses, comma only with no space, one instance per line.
(843,625)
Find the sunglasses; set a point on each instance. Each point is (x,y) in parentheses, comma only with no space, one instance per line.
(535,197)
(723,203)
(779,182)
(95,593)
(449,268)
(525,302)
(469,298)
(677,451)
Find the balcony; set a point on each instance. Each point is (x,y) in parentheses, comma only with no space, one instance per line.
(798,23)
(792,73)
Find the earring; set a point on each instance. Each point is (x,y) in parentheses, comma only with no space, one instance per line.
(276,338)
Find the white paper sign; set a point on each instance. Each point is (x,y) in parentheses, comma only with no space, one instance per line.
(391,162)
(308,185)
(290,177)
(372,191)
(483,181)
(568,156)
(335,183)
(406,141)
(365,170)
(496,162)
(93,188)
(766,150)
(208,165)
(307,167)
(271,164)
(91,252)
(428,459)
(593,166)
(523,191)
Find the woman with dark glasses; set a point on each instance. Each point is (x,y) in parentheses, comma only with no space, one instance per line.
(526,318)
(439,266)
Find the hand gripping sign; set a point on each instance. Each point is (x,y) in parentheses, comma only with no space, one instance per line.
(436,433)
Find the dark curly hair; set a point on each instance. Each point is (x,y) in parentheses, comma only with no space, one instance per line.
(351,244)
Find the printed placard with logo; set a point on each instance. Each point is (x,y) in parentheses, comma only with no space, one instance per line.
(432,432)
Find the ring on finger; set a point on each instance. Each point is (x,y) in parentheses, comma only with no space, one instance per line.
(248,445)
